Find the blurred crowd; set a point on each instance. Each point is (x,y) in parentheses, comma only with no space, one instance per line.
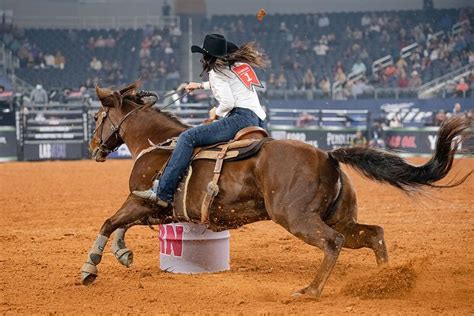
(310,52)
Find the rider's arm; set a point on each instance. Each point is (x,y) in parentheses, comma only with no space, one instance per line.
(205,85)
(222,92)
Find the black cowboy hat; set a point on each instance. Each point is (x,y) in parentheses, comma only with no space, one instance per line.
(215,45)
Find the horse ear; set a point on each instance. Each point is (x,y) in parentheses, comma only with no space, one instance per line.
(106,97)
(131,88)
(117,99)
(101,93)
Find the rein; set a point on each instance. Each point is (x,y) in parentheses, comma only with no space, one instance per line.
(115,128)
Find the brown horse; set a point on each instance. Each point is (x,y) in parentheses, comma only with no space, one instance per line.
(294,184)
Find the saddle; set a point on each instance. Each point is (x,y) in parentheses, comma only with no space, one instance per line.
(246,143)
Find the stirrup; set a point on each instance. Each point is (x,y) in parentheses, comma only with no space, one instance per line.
(151,196)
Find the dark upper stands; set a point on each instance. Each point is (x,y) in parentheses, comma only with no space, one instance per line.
(289,46)
(121,63)
(396,32)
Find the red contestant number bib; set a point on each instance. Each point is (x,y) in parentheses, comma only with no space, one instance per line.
(247,76)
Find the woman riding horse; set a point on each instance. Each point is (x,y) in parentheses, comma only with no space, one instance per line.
(232,81)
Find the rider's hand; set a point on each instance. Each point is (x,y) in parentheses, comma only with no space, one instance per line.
(212,114)
(193,86)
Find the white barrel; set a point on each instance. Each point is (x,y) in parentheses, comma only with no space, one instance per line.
(192,248)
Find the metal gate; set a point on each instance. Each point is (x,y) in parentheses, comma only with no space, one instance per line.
(54,132)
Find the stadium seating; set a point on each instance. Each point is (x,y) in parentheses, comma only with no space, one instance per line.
(277,44)
(74,46)
(276,39)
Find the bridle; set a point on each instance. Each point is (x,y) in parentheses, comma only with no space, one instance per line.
(115,128)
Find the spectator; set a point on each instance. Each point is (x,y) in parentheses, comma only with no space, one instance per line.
(100,42)
(49,60)
(365,21)
(283,28)
(470,118)
(325,86)
(305,119)
(109,42)
(471,57)
(377,135)
(64,96)
(439,118)
(309,81)
(401,64)
(281,82)
(359,139)
(39,97)
(95,64)
(340,75)
(359,67)
(415,80)
(403,81)
(462,88)
(175,31)
(321,48)
(168,48)
(374,27)
(59,60)
(272,81)
(145,48)
(457,111)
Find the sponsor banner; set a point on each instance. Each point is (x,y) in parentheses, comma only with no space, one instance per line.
(53,151)
(324,139)
(8,143)
(419,141)
(407,140)
(414,112)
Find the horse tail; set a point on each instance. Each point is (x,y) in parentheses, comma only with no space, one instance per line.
(389,168)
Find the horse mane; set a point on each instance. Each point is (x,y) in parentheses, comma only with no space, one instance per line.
(172,117)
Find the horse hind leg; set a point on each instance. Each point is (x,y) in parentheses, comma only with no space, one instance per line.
(358,235)
(365,236)
(315,232)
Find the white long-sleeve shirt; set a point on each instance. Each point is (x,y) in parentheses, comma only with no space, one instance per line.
(235,87)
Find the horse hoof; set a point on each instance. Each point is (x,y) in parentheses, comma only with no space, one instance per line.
(88,273)
(88,278)
(125,256)
(306,292)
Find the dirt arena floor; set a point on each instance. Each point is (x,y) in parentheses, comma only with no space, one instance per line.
(51,212)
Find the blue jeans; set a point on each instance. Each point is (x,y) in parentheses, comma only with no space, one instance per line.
(219,131)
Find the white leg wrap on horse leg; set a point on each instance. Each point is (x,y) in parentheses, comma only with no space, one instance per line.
(95,254)
(118,242)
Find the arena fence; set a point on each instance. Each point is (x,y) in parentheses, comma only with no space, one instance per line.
(63,131)
(53,132)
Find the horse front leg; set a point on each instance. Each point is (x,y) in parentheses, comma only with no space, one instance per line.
(132,210)
(119,248)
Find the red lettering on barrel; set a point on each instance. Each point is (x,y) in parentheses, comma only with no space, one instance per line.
(171,240)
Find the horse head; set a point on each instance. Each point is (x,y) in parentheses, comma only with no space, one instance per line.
(116,106)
